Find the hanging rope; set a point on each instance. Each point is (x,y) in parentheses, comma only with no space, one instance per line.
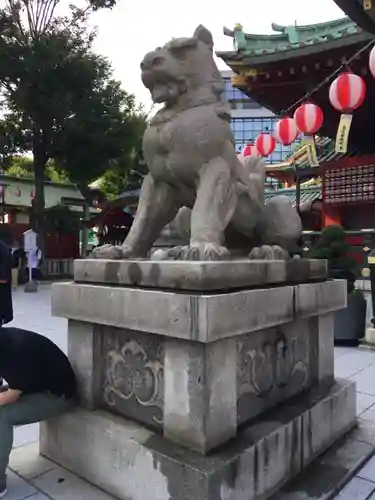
(325,81)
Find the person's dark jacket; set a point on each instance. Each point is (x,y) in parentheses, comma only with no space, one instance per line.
(6,306)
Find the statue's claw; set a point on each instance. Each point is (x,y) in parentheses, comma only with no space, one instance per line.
(267,252)
(107,252)
(112,252)
(203,251)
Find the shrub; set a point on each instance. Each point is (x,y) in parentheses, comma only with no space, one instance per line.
(333,246)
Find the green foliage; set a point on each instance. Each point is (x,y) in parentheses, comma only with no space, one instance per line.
(55,174)
(61,101)
(19,166)
(102,4)
(124,170)
(22,168)
(102,138)
(334,247)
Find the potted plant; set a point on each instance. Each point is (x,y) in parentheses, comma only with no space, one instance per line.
(350,323)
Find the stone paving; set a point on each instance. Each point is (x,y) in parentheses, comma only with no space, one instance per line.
(32,477)
(359,366)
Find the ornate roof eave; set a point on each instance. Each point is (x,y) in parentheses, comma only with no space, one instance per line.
(317,29)
(357,14)
(241,58)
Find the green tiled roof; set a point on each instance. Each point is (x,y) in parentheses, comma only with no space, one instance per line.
(19,192)
(325,151)
(308,194)
(289,38)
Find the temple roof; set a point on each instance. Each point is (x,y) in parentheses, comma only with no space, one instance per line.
(291,40)
(20,192)
(325,152)
(359,12)
(279,71)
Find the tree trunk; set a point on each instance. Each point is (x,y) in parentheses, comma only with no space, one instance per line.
(85,220)
(39,165)
(85,229)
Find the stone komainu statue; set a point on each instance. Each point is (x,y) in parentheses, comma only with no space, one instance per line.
(195,174)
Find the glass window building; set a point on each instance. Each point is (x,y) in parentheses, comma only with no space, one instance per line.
(249,119)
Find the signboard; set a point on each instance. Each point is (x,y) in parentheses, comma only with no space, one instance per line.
(349,185)
(342,136)
(29,240)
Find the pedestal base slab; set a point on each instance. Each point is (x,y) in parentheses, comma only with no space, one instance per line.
(133,463)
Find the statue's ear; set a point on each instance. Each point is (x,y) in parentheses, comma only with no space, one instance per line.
(204,35)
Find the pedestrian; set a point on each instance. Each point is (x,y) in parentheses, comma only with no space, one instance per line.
(6,305)
(17,258)
(41,384)
(35,261)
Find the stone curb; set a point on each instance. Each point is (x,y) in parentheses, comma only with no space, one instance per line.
(330,473)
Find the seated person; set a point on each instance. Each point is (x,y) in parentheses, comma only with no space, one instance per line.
(41,384)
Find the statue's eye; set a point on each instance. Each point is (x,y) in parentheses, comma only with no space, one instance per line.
(179,52)
(157,61)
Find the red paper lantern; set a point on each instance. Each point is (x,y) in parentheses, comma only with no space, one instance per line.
(308,118)
(372,62)
(286,131)
(265,144)
(347,92)
(249,150)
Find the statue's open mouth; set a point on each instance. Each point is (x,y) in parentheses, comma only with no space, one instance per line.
(159,93)
(162,89)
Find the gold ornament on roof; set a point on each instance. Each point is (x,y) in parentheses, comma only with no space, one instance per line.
(239,80)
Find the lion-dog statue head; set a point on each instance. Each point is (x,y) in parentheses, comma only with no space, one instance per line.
(185,69)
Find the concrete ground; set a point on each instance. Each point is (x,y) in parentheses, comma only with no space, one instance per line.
(34,478)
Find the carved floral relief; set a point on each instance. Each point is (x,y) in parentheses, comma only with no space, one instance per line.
(133,380)
(272,365)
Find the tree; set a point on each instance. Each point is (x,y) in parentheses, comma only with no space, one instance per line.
(61,100)
(119,172)
(102,139)
(22,167)
(333,247)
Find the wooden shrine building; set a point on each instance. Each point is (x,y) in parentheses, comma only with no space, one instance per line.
(278,70)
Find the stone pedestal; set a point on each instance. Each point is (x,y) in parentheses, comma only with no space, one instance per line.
(201,380)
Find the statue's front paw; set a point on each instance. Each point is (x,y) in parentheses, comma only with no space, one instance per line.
(127,252)
(107,252)
(268,252)
(112,252)
(203,251)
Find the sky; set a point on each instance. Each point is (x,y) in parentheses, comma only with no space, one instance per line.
(135,27)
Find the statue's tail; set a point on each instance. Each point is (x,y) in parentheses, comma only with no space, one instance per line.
(253,174)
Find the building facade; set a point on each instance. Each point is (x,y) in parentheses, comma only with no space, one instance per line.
(249,119)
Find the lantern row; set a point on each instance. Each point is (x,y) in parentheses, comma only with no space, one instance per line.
(347,93)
